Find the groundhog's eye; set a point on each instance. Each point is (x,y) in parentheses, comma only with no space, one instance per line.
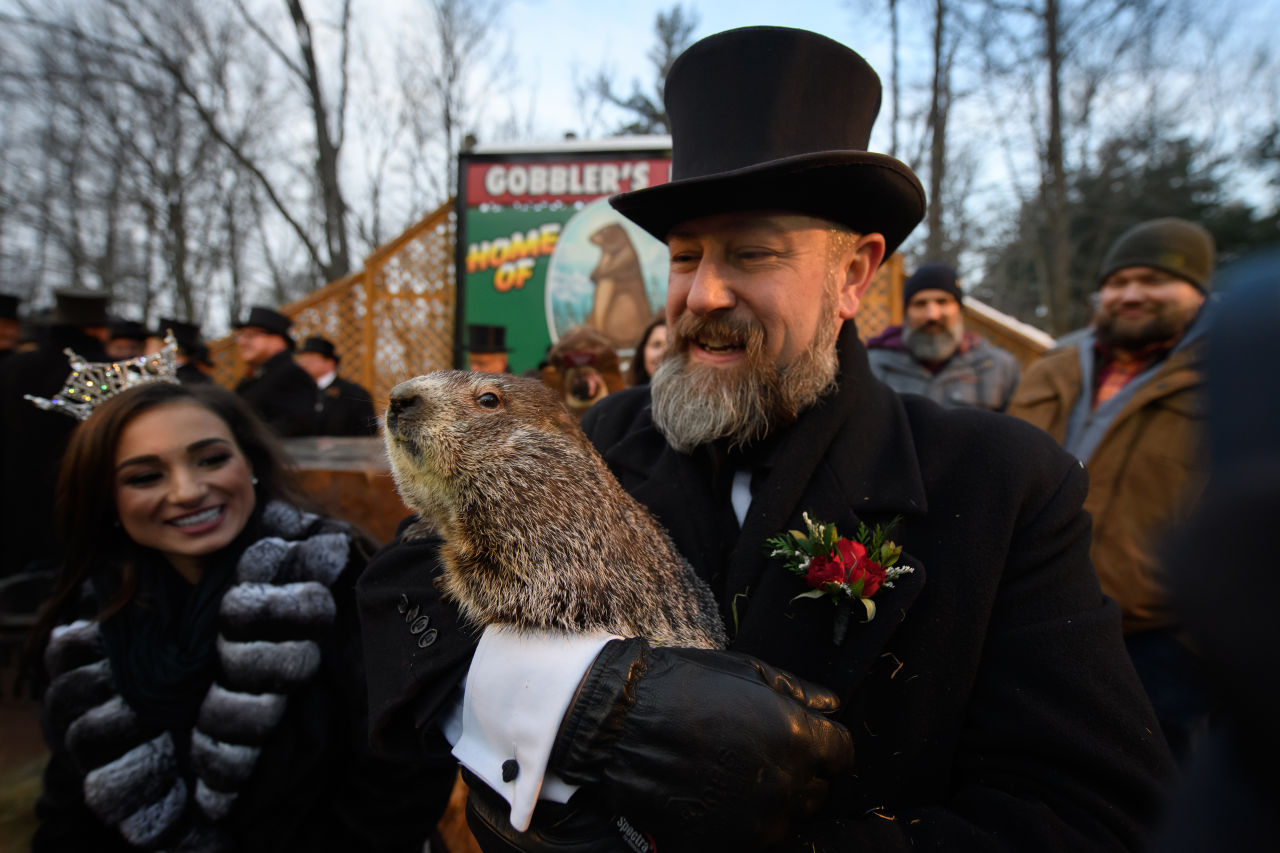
(489,400)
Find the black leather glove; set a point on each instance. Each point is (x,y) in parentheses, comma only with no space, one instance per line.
(701,749)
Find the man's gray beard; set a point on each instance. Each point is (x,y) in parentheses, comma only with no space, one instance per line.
(932,346)
(697,404)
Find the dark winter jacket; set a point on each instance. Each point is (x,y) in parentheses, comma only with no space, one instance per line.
(980,373)
(32,442)
(991,702)
(1146,469)
(278,757)
(282,394)
(344,408)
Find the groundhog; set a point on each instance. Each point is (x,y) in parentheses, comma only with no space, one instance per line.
(537,532)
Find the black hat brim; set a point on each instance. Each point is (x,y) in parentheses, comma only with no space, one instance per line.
(862,190)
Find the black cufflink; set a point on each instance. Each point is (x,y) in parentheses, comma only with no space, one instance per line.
(510,770)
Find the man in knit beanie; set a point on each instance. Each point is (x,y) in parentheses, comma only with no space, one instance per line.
(1127,399)
(932,354)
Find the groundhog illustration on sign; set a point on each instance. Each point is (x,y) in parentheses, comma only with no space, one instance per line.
(537,532)
(620,309)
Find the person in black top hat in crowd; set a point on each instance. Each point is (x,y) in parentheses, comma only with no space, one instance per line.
(986,704)
(10,324)
(342,407)
(31,440)
(192,351)
(932,354)
(280,391)
(487,349)
(126,339)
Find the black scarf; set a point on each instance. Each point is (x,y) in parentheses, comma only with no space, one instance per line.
(162,644)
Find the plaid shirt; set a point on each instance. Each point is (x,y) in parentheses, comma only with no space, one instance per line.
(1116,366)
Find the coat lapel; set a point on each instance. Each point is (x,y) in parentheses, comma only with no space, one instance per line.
(847,460)
(867,471)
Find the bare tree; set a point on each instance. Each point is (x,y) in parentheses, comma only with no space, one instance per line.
(137,183)
(643,110)
(445,77)
(1077,45)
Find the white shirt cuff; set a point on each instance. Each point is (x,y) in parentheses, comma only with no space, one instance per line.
(517,692)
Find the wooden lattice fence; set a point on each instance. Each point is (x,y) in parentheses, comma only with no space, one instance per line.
(389,321)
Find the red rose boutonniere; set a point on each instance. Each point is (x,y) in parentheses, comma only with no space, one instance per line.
(844,570)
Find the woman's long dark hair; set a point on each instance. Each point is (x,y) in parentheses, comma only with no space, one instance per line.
(639,374)
(85,511)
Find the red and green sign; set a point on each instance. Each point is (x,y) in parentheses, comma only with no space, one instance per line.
(540,251)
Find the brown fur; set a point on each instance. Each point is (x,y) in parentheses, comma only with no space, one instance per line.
(537,532)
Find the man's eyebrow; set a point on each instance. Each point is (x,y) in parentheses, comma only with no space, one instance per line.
(193,447)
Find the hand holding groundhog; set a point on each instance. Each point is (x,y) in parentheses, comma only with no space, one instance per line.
(537,532)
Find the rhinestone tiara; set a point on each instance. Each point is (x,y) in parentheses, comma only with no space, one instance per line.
(94,382)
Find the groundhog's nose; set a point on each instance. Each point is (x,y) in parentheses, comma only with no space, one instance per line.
(403,403)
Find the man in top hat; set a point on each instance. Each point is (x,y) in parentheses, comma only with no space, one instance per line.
(126,339)
(31,440)
(989,702)
(342,407)
(278,389)
(487,349)
(1128,401)
(193,353)
(10,324)
(932,354)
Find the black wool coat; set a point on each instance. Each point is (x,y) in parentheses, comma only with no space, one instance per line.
(282,394)
(344,408)
(991,702)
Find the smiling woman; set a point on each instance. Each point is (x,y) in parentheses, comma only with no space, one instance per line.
(183,486)
(202,648)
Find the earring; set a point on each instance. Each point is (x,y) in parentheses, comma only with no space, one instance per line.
(254,479)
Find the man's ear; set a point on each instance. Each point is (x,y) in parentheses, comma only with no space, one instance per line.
(858,268)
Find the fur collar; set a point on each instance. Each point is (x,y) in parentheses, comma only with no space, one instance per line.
(270,621)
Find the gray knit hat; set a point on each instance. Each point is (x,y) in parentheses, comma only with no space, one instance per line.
(1176,246)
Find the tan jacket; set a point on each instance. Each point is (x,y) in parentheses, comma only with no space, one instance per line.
(1144,476)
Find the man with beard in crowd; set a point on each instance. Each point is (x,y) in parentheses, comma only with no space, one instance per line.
(987,703)
(932,354)
(1127,399)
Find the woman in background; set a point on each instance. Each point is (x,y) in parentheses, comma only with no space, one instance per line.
(649,351)
(214,698)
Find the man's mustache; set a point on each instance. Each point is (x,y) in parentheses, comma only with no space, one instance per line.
(690,327)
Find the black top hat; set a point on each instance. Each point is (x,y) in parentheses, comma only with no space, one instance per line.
(269,320)
(773,118)
(129,329)
(8,306)
(320,345)
(74,307)
(487,339)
